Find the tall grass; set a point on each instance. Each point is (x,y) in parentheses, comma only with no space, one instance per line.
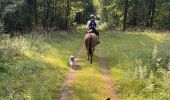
(34,66)
(139,64)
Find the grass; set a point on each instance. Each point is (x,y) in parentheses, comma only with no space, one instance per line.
(89,84)
(132,59)
(34,66)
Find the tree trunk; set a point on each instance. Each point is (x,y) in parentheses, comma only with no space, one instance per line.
(153,12)
(35,12)
(125,14)
(149,13)
(135,16)
(46,15)
(67,13)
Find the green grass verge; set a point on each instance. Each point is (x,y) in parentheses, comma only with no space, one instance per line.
(89,84)
(132,59)
(33,66)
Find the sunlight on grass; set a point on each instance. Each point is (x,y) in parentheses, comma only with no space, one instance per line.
(130,57)
(89,84)
(50,59)
(160,37)
(35,66)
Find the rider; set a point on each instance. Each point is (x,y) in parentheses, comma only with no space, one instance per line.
(91,26)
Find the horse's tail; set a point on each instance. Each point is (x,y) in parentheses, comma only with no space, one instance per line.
(90,46)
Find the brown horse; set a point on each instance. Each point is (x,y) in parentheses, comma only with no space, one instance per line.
(90,40)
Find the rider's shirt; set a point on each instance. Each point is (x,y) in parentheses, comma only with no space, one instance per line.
(88,24)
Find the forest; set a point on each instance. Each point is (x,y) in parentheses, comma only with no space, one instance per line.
(27,15)
(38,36)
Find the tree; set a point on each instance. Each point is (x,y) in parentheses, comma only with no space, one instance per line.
(151,12)
(25,15)
(104,10)
(67,12)
(125,14)
(35,12)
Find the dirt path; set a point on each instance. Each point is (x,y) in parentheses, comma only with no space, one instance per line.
(106,75)
(66,89)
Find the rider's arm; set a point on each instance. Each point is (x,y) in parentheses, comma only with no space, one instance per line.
(88,23)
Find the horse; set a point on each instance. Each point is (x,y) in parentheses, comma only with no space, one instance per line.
(90,40)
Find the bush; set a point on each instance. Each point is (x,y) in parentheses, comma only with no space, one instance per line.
(17,18)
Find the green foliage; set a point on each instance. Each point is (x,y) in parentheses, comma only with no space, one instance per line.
(138,13)
(34,66)
(135,62)
(17,17)
(163,14)
(24,15)
(2,28)
(88,8)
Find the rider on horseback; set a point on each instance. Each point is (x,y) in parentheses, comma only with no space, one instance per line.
(91,26)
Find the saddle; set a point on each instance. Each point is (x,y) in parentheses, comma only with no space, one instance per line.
(92,31)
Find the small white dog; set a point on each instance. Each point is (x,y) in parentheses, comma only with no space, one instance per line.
(71,60)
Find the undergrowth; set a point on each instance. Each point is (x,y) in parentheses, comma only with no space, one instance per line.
(33,66)
(139,64)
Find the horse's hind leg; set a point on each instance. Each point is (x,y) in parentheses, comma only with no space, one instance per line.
(91,58)
(87,55)
(87,51)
